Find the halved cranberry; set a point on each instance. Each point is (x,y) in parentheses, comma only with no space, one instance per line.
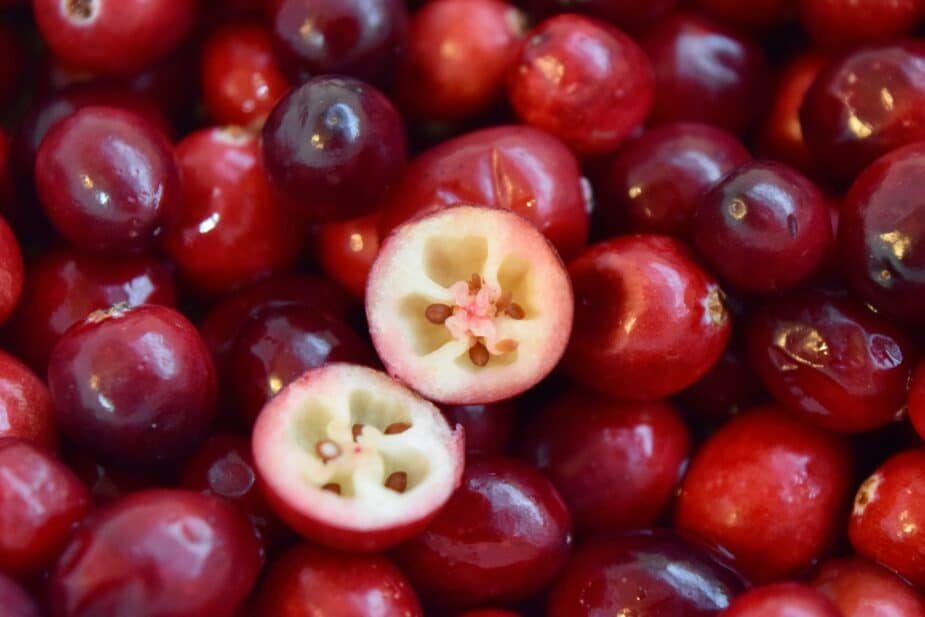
(860,588)
(26,411)
(847,23)
(782,599)
(488,428)
(11,271)
(14,599)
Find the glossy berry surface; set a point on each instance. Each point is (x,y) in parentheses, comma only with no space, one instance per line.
(11,271)
(782,599)
(15,600)
(843,23)
(489,428)
(859,587)
(347,250)
(26,411)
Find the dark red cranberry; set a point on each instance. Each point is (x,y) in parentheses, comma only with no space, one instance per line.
(917,399)
(333,146)
(502,537)
(13,598)
(488,428)
(26,411)
(157,553)
(757,14)
(846,23)
(587,446)
(582,81)
(108,180)
(630,14)
(764,228)
(347,251)
(12,64)
(705,72)
(644,574)
(656,181)
(11,271)
(729,387)
(309,581)
(40,501)
(768,489)
(134,384)
(782,600)
(232,228)
(860,588)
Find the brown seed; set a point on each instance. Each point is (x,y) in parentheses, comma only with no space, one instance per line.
(502,303)
(438,313)
(80,8)
(327,450)
(397,481)
(479,355)
(475,283)
(396,428)
(332,487)
(515,311)
(506,346)
(357,430)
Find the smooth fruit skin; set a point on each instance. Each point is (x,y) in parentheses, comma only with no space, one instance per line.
(768,489)
(782,600)
(850,23)
(888,521)
(648,320)
(309,581)
(15,601)
(489,429)
(502,537)
(589,446)
(26,411)
(347,250)
(633,574)
(157,553)
(135,385)
(12,273)
(917,399)
(600,91)
(860,588)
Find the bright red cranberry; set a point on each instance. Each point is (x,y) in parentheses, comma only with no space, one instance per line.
(26,411)
(488,428)
(108,180)
(13,598)
(917,399)
(630,14)
(757,14)
(232,228)
(309,581)
(648,320)
(644,574)
(888,521)
(12,64)
(502,537)
(705,72)
(729,387)
(113,38)
(587,445)
(656,181)
(518,168)
(829,359)
(333,146)
(11,271)
(157,553)
(764,228)
(582,81)
(134,384)
(240,76)
(860,588)
(768,489)
(782,600)
(347,251)
(847,23)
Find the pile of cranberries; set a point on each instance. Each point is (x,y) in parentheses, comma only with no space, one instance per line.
(462,308)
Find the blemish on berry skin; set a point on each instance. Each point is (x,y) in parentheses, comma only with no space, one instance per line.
(867,494)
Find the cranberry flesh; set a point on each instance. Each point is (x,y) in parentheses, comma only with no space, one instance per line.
(26,411)
(488,428)
(14,599)
(782,600)
(860,588)
(347,251)
(843,23)
(11,271)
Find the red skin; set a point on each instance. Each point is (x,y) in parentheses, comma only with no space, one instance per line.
(232,228)
(12,272)
(309,581)
(648,320)
(458,57)
(782,600)
(502,537)
(769,490)
(40,501)
(347,251)
(888,522)
(587,446)
(518,168)
(860,588)
(917,399)
(489,428)
(240,77)
(26,411)
(158,552)
(757,14)
(851,23)
(600,92)
(13,598)
(122,38)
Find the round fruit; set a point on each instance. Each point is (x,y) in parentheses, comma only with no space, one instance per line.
(860,588)
(780,600)
(26,411)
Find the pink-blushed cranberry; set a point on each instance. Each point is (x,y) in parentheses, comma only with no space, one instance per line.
(764,228)
(655,182)
(113,37)
(888,521)
(860,588)
(647,573)
(768,489)
(630,14)
(488,428)
(729,387)
(502,537)
(232,228)
(12,271)
(757,14)
(26,411)
(308,581)
(832,361)
(157,553)
(108,180)
(648,320)
(134,384)
(782,600)
(917,399)
(850,23)
(14,599)
(705,72)
(347,250)
(583,81)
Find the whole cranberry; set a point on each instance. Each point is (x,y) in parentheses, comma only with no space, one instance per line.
(729,387)
(917,399)
(847,23)
(347,250)
(650,573)
(108,180)
(134,384)
(757,14)
(630,14)
(502,537)
(648,320)
(705,72)
(583,81)
(26,411)
(309,581)
(11,271)
(768,489)
(780,600)
(13,598)
(157,553)
(860,588)
(488,428)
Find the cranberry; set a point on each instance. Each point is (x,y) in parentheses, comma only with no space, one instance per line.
(643,574)
(134,384)
(157,553)
(729,387)
(582,81)
(648,320)
(782,599)
(336,141)
(11,271)
(488,428)
(768,489)
(347,251)
(309,581)
(502,536)
(859,588)
(757,14)
(26,411)
(13,598)
(232,228)
(632,14)
(917,399)
(843,23)
(705,72)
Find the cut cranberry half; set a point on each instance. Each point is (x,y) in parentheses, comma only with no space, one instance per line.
(469,305)
(353,460)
